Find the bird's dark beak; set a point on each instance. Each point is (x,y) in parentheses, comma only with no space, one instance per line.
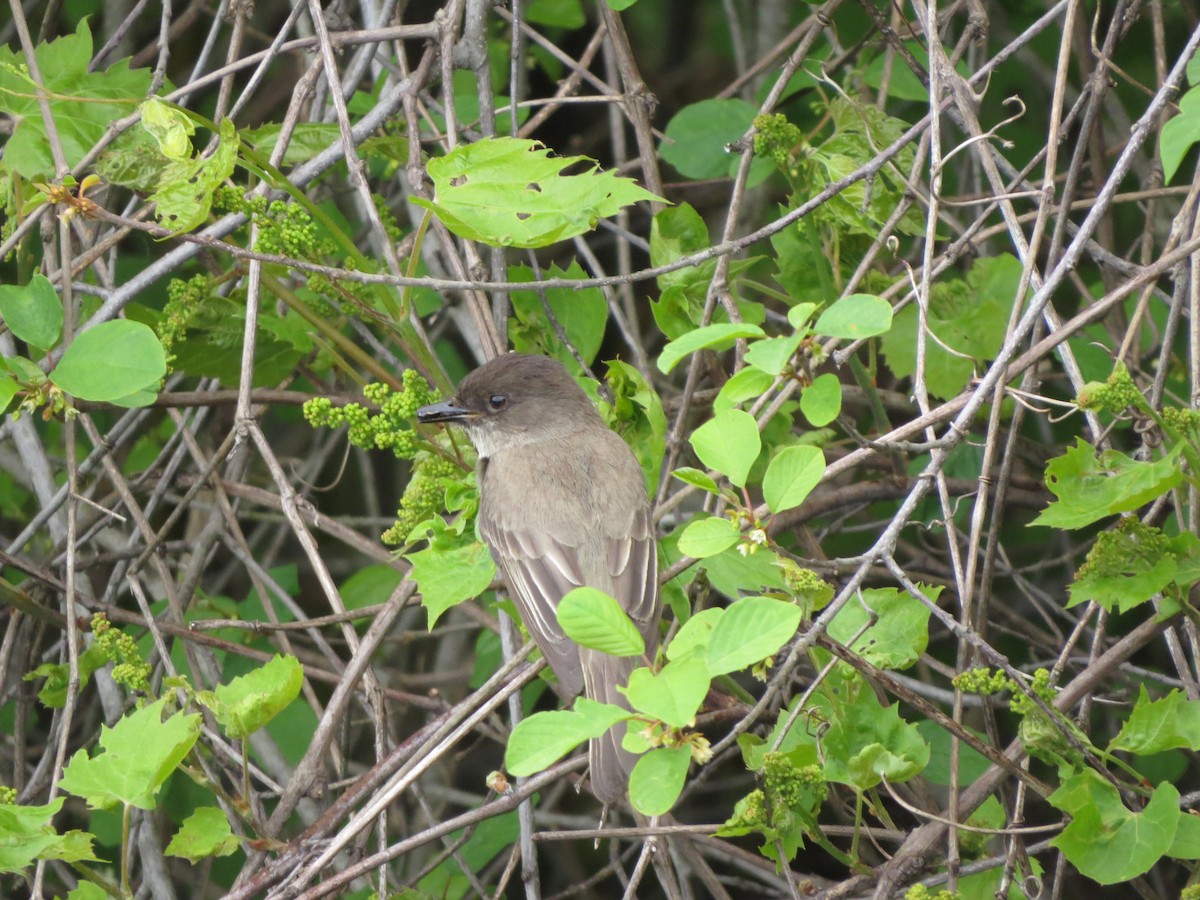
(446,411)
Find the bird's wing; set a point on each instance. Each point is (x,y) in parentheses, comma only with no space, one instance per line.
(633,567)
(540,571)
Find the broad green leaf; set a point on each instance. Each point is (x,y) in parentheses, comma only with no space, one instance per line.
(657,780)
(582,315)
(772,355)
(33,312)
(748,383)
(728,442)
(1156,725)
(26,832)
(204,833)
(636,413)
(138,753)
(971,763)
(448,577)
(1179,133)
(111,361)
(83,104)
(510,192)
(250,701)
(696,478)
(1106,841)
(791,475)
(1186,844)
(8,388)
(899,634)
(1131,563)
(673,695)
(307,140)
(854,317)
(475,846)
(692,639)
(593,619)
(719,336)
(821,401)
(185,189)
(1091,486)
(543,738)
(696,139)
(752,629)
(734,573)
(708,537)
(53,693)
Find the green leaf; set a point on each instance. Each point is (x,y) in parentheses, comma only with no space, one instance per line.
(171,128)
(448,577)
(543,738)
(899,634)
(252,700)
(821,401)
(593,619)
(728,442)
(719,336)
(746,384)
(657,780)
(33,312)
(204,833)
(53,693)
(692,639)
(510,192)
(673,695)
(26,832)
(140,751)
(110,361)
(582,314)
(696,138)
(855,316)
(696,478)
(708,536)
(636,414)
(868,742)
(82,104)
(791,475)
(307,140)
(1179,133)
(1157,725)
(185,188)
(1091,486)
(752,629)
(772,355)
(1107,842)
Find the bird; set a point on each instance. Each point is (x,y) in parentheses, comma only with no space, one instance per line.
(562,504)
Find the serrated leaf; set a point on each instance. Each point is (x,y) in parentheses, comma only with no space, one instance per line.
(728,442)
(899,633)
(110,361)
(447,577)
(510,192)
(138,754)
(593,619)
(185,189)
(204,833)
(1153,726)
(250,701)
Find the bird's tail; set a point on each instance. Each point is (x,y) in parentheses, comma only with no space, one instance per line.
(609,763)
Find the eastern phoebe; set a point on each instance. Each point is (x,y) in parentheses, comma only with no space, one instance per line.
(562,505)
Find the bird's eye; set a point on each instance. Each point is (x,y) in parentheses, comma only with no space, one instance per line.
(497,401)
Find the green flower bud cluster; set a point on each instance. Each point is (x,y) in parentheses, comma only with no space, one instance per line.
(789,787)
(8,795)
(1184,422)
(287,229)
(750,812)
(388,429)
(424,495)
(982,681)
(1116,394)
(185,299)
(807,586)
(921,892)
(390,225)
(1039,687)
(777,139)
(129,669)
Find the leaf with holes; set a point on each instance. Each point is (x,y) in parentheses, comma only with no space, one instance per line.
(509,192)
